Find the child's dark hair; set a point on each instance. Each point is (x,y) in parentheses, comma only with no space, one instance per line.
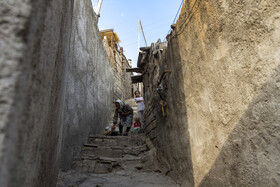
(136,92)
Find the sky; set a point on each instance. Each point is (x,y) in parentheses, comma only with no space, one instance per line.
(123,16)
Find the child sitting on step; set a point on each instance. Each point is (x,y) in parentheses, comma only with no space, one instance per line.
(136,124)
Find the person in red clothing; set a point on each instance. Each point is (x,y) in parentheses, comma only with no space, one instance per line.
(136,124)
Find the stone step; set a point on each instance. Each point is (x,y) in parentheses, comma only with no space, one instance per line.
(95,150)
(109,141)
(74,178)
(113,151)
(93,164)
(102,165)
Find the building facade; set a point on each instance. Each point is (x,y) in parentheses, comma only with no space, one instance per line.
(122,79)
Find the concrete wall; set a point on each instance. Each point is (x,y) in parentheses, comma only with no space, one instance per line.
(40,87)
(222,95)
(230,54)
(122,79)
(169,130)
(127,83)
(89,92)
(34,36)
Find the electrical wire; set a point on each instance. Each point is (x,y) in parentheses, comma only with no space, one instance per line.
(174,20)
(132,35)
(187,20)
(175,17)
(148,38)
(178,12)
(135,36)
(127,33)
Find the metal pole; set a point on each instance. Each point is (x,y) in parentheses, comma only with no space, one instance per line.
(143,33)
(98,8)
(139,35)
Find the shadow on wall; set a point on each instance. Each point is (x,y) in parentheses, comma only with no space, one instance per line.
(173,139)
(250,156)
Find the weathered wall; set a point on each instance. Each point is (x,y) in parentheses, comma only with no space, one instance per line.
(42,85)
(89,92)
(122,79)
(127,83)
(168,131)
(230,54)
(225,65)
(34,44)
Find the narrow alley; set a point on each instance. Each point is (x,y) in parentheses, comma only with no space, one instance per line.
(192,101)
(116,161)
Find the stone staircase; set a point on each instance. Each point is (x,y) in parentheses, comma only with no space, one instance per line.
(115,161)
(105,154)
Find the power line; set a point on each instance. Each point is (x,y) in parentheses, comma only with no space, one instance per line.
(176,16)
(163,20)
(178,12)
(187,20)
(124,23)
(146,30)
(132,43)
(129,38)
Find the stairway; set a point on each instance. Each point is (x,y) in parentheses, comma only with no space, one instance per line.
(115,161)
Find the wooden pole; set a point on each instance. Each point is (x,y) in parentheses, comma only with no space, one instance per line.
(139,35)
(143,33)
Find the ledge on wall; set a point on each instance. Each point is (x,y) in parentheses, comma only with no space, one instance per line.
(136,70)
(136,79)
